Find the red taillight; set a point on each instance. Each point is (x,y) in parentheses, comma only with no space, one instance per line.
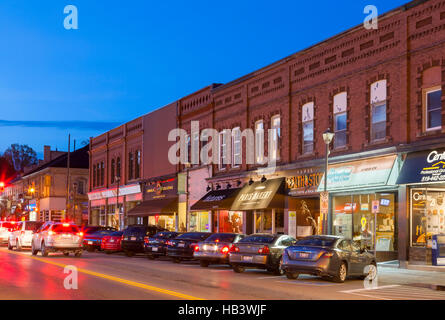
(328,254)
(234,249)
(146,241)
(122,237)
(80,234)
(51,233)
(195,247)
(169,243)
(225,249)
(264,250)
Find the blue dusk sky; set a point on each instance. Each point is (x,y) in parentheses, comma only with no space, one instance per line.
(130,57)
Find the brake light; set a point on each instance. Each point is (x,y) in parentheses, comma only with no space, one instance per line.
(122,237)
(169,243)
(225,249)
(51,233)
(234,249)
(328,254)
(80,234)
(195,247)
(264,250)
(146,241)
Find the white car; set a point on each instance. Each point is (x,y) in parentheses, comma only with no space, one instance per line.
(57,237)
(5,230)
(21,235)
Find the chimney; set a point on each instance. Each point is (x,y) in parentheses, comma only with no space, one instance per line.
(46,153)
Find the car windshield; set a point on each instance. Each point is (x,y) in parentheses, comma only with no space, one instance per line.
(316,242)
(60,228)
(221,237)
(135,230)
(258,239)
(116,234)
(33,225)
(193,236)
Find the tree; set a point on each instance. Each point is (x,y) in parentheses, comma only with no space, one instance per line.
(20,156)
(7,171)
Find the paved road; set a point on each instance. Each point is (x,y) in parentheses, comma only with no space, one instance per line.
(102,276)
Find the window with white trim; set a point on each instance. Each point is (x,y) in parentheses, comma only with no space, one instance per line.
(340,118)
(259,141)
(378,110)
(276,124)
(308,127)
(433,108)
(236,147)
(222,150)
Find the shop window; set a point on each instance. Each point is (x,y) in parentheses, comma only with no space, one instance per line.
(236,147)
(199,222)
(340,117)
(137,165)
(378,110)
(230,221)
(130,166)
(433,108)
(113,176)
(263,222)
(259,141)
(308,128)
(276,140)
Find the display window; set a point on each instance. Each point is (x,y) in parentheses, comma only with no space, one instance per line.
(427,215)
(163,221)
(199,221)
(263,221)
(367,218)
(230,221)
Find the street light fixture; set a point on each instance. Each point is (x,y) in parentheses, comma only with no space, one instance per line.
(328,136)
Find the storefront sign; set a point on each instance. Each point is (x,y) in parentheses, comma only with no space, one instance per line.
(423,167)
(375,206)
(258,195)
(359,174)
(161,188)
(109,193)
(304,183)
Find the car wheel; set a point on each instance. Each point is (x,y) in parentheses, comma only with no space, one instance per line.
(177,260)
(33,250)
(44,250)
(108,252)
(78,254)
(203,263)
(90,249)
(9,245)
(151,257)
(342,273)
(66,254)
(129,253)
(279,270)
(238,269)
(292,275)
(17,245)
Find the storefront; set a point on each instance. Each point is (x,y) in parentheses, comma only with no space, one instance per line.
(423,173)
(160,205)
(303,202)
(363,203)
(212,213)
(262,204)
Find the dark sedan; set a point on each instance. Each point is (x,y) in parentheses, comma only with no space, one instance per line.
(262,251)
(183,246)
(92,241)
(329,257)
(216,248)
(156,245)
(133,238)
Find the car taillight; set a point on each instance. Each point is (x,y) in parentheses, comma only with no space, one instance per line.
(146,241)
(80,234)
(234,249)
(195,247)
(264,250)
(51,233)
(122,237)
(225,249)
(328,254)
(169,243)
(66,224)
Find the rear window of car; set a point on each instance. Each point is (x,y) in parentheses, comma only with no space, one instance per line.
(102,232)
(33,225)
(88,230)
(116,234)
(65,229)
(193,236)
(135,230)
(316,242)
(258,239)
(221,237)
(165,235)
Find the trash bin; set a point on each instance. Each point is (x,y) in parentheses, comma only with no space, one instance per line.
(438,250)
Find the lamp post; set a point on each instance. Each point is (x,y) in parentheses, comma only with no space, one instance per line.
(118,180)
(328,136)
(31,191)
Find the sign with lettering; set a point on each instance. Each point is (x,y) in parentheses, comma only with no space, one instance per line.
(162,188)
(304,182)
(258,195)
(423,167)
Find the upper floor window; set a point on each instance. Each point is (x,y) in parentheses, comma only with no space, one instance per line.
(340,118)
(308,127)
(102,173)
(94,176)
(80,187)
(98,175)
(118,167)
(276,140)
(137,165)
(113,168)
(378,110)
(259,141)
(130,166)
(223,150)
(433,108)
(236,147)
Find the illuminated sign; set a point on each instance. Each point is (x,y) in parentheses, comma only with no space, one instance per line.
(423,167)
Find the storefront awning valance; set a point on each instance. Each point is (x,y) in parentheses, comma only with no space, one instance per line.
(163,206)
(260,195)
(361,174)
(423,167)
(216,199)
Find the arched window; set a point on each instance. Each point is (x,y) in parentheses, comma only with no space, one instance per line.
(340,117)
(378,110)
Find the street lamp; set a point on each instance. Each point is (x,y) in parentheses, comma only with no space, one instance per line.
(118,180)
(327,138)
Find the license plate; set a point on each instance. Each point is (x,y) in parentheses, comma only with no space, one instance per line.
(154,249)
(66,236)
(181,245)
(133,238)
(304,255)
(90,242)
(112,240)
(247,258)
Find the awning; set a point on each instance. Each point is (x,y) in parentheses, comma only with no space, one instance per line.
(216,199)
(260,195)
(423,167)
(165,206)
(362,174)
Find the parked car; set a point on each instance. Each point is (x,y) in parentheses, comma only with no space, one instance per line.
(57,237)
(92,229)
(216,248)
(183,246)
(21,236)
(6,228)
(330,257)
(156,245)
(92,241)
(112,242)
(262,251)
(133,238)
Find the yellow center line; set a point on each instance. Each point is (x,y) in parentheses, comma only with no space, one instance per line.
(116,279)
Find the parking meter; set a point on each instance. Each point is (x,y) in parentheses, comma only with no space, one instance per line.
(438,250)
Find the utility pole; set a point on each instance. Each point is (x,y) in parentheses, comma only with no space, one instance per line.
(68,181)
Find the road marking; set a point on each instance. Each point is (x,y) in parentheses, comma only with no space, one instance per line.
(307,283)
(271,277)
(398,292)
(369,289)
(116,279)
